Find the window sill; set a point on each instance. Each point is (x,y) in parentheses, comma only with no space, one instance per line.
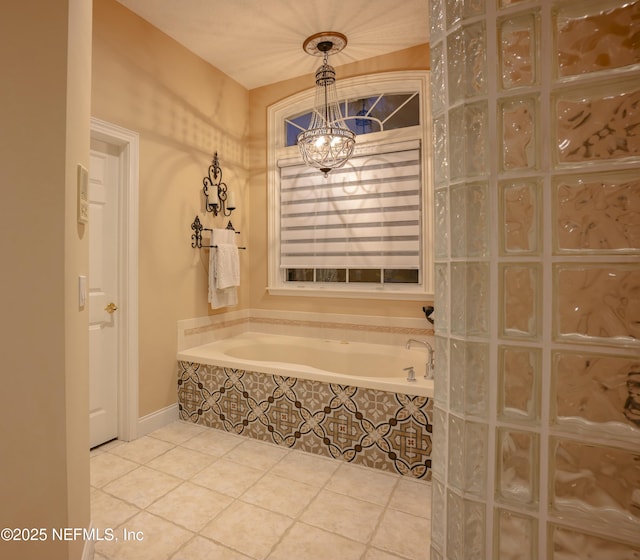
(307,291)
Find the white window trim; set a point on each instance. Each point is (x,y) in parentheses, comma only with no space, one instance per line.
(303,101)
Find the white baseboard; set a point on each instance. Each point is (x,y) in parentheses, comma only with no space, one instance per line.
(157,420)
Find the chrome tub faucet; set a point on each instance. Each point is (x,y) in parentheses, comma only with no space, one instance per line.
(429,366)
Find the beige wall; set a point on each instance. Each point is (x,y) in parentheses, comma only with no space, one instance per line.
(184,110)
(416,58)
(44,110)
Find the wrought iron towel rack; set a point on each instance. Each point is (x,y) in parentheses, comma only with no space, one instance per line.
(197,227)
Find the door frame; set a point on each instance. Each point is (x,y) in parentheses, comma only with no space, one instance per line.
(127,143)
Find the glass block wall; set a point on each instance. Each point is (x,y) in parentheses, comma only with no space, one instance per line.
(536,124)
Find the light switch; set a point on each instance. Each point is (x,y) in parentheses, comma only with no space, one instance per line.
(83,195)
(82,291)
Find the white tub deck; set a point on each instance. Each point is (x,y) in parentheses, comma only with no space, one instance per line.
(371,366)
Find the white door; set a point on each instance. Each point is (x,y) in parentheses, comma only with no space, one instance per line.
(104,351)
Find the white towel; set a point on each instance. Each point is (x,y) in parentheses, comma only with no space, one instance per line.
(227,266)
(219,296)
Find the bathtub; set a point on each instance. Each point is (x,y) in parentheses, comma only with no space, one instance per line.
(371,366)
(345,400)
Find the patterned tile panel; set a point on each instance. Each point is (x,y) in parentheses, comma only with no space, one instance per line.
(387,431)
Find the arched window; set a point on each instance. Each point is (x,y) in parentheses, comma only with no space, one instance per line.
(365,230)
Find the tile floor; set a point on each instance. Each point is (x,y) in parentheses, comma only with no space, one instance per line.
(186,492)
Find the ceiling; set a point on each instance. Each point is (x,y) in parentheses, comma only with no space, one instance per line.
(259,42)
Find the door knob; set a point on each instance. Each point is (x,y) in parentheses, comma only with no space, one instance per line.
(111,308)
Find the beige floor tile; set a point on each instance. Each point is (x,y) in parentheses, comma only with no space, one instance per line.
(204,549)
(227,477)
(142,450)
(404,534)
(257,454)
(304,542)
(349,517)
(178,432)
(159,539)
(363,483)
(281,495)
(249,529)
(181,462)
(106,467)
(190,506)
(108,512)
(412,496)
(142,487)
(306,467)
(213,442)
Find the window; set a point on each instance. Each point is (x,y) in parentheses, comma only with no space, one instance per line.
(365,230)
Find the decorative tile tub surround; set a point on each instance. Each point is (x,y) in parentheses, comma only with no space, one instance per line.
(387,431)
(379,429)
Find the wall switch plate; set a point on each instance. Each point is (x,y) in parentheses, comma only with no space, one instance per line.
(82,291)
(83,195)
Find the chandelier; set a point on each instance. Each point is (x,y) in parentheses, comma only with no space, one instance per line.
(328,143)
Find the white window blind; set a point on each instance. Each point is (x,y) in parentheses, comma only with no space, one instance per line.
(364,215)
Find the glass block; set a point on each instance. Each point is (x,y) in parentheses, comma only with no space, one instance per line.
(454,10)
(456,455)
(438,506)
(441,212)
(457,375)
(597,303)
(456,66)
(519,383)
(439,442)
(597,125)
(468,140)
(517,468)
(596,37)
(436,18)
(474,530)
(474,79)
(476,382)
(473,8)
(521,299)
(440,159)
(597,213)
(467,456)
(475,458)
(518,125)
(469,298)
(469,228)
(457,143)
(465,528)
(458,298)
(438,77)
(455,527)
(597,392)
(520,212)
(572,544)
(477,299)
(441,272)
(441,374)
(467,62)
(596,481)
(477,136)
(518,52)
(516,536)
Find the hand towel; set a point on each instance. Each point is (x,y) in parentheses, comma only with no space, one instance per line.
(220,297)
(227,264)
